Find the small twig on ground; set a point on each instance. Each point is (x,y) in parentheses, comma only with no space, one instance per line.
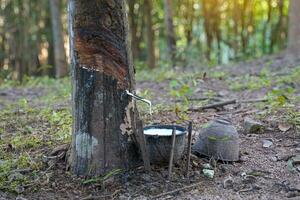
(198,99)
(215,105)
(25,170)
(59,156)
(246,190)
(243,111)
(63,147)
(255,187)
(142,144)
(50,167)
(253,101)
(225,103)
(233,112)
(189,149)
(293,145)
(172,153)
(174,191)
(136,192)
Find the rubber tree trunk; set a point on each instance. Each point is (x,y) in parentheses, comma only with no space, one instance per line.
(150,34)
(61,66)
(171,41)
(294,28)
(105,118)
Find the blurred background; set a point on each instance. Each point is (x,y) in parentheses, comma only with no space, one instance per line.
(194,60)
(193,33)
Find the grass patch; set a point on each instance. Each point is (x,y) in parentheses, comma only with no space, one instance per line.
(28,132)
(265,80)
(248,82)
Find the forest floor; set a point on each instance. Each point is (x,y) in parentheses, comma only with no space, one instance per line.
(35,130)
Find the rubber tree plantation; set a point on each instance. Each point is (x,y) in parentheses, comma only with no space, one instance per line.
(105,126)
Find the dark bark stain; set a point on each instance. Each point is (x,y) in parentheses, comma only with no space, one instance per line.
(101,119)
(100,38)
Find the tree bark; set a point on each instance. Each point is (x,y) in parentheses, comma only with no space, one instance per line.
(61,66)
(294,28)
(150,34)
(105,118)
(171,41)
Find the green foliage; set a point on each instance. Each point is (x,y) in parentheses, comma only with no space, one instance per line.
(278,97)
(181,89)
(282,101)
(159,74)
(266,80)
(248,82)
(189,56)
(10,179)
(232,31)
(293,118)
(19,142)
(62,86)
(60,122)
(218,74)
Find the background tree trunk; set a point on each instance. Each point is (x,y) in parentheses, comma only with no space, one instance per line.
(61,66)
(294,28)
(105,118)
(150,34)
(207,26)
(266,27)
(171,41)
(133,28)
(275,38)
(2,50)
(189,18)
(236,20)
(50,60)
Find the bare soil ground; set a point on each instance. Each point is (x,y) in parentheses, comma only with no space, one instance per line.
(261,173)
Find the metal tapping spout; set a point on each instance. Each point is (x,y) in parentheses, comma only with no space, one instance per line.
(140,99)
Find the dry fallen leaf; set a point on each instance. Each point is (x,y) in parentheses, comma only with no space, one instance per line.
(284,127)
